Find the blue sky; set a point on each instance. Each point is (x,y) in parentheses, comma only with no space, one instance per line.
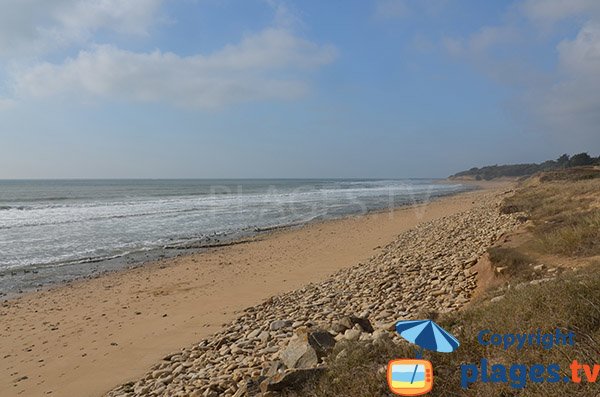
(275,88)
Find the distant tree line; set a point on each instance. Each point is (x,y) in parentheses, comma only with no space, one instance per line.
(516,170)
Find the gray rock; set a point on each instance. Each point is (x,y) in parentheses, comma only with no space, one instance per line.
(276,368)
(321,341)
(280,324)
(352,334)
(254,334)
(346,323)
(391,326)
(381,335)
(392,285)
(364,323)
(290,379)
(264,336)
(299,354)
(350,321)
(338,328)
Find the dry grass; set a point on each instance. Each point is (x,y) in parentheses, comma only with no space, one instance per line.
(571,302)
(565,214)
(578,235)
(514,263)
(571,174)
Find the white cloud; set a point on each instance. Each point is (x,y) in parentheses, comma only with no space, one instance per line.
(563,102)
(286,16)
(78,21)
(572,103)
(34,27)
(481,50)
(267,65)
(481,41)
(569,107)
(490,36)
(580,57)
(547,12)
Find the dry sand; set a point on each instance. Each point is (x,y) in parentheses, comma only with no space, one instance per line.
(84,338)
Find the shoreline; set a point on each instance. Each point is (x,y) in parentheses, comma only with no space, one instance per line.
(80,270)
(87,336)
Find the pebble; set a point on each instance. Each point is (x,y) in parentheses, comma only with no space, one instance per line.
(426,268)
(280,324)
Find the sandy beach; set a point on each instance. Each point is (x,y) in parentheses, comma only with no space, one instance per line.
(282,198)
(86,337)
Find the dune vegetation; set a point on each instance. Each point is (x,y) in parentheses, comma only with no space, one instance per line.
(546,278)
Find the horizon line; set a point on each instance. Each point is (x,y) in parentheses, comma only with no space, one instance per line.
(208,178)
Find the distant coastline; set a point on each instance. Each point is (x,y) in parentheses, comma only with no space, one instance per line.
(516,171)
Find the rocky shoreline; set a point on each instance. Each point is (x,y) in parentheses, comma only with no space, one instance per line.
(287,338)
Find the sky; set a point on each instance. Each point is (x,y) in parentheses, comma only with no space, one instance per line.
(293,89)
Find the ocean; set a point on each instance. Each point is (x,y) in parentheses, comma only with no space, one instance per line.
(57,230)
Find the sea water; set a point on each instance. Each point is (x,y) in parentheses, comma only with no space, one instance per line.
(55,230)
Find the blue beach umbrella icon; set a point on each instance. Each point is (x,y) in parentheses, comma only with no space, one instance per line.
(427,335)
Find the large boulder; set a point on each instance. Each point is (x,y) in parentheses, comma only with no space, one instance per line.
(322,341)
(299,354)
(307,348)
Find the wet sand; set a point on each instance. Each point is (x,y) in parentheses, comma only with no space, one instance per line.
(84,338)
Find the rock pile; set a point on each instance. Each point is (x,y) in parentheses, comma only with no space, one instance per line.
(283,341)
